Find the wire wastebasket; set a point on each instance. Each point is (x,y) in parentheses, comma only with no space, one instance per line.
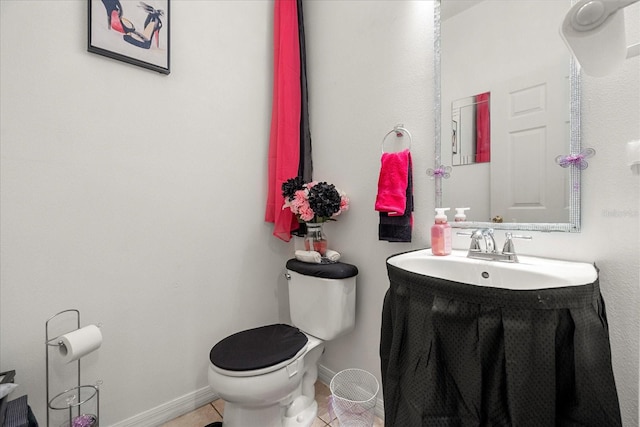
(353,397)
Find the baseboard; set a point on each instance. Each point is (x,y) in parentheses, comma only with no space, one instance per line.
(170,410)
(325,375)
(192,401)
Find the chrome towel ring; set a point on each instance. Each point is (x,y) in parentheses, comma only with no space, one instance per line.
(400,131)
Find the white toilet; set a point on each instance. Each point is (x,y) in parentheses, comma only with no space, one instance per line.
(266,375)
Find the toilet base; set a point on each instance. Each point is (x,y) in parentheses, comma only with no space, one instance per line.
(271,416)
(304,418)
(243,416)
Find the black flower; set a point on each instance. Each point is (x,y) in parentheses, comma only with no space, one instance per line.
(324,199)
(290,186)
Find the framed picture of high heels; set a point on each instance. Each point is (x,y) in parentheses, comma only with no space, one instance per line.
(133,31)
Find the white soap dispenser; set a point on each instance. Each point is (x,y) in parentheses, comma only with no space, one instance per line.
(460,215)
(441,234)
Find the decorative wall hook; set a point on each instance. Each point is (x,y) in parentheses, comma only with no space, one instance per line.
(440,172)
(576,160)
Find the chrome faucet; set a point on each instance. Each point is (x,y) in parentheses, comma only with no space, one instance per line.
(485,234)
(508,253)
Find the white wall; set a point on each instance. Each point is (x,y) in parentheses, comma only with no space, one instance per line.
(121,188)
(370,68)
(135,197)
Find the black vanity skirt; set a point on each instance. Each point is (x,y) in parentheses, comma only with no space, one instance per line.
(461,355)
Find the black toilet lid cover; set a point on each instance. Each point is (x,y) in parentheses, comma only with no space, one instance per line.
(335,270)
(258,348)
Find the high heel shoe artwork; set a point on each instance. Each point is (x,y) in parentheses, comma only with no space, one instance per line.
(115,20)
(152,27)
(123,41)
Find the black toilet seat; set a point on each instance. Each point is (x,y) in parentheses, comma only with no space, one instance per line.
(258,348)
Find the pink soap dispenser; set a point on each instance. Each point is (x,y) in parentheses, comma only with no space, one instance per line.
(441,234)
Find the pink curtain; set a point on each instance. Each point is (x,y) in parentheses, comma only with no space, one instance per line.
(483,128)
(284,141)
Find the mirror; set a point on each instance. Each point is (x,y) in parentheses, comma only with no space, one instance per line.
(508,97)
(471,130)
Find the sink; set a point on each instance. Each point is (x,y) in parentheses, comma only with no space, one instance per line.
(530,273)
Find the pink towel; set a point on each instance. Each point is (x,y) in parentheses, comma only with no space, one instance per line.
(392,183)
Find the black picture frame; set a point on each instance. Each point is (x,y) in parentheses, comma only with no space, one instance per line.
(133,31)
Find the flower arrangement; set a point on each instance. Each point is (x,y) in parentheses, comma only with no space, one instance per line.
(313,202)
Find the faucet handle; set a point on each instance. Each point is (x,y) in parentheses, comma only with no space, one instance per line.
(509,248)
(475,239)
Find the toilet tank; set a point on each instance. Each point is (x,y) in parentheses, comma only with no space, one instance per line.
(322,297)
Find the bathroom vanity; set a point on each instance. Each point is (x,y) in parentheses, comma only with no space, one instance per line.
(468,342)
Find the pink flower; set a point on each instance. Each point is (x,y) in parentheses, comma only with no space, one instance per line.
(306,213)
(299,201)
(308,186)
(344,203)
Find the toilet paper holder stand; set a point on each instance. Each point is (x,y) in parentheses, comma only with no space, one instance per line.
(71,399)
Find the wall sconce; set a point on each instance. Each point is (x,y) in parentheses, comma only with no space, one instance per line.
(594,32)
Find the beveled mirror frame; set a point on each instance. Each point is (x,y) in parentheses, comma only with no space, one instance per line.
(574,146)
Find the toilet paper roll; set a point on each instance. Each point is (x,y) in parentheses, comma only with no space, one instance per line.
(79,343)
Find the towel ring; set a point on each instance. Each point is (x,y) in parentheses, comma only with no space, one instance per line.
(400,131)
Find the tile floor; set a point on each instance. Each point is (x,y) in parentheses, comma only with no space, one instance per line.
(214,411)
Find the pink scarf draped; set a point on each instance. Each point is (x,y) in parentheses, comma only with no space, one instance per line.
(284,141)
